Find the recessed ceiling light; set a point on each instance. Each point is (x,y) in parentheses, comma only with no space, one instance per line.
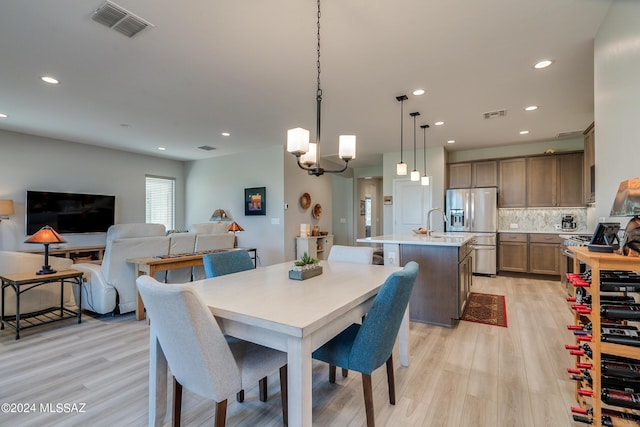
(418,92)
(49,79)
(3,115)
(543,64)
(524,132)
(161,148)
(451,141)
(531,108)
(226,134)
(438,123)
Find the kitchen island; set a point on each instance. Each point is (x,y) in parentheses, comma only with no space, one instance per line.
(444,278)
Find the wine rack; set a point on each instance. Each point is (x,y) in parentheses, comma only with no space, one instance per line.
(590,348)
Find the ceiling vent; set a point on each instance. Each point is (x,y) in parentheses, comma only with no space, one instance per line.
(119,19)
(569,134)
(207,148)
(494,114)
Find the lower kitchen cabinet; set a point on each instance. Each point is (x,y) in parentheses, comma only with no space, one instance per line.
(513,249)
(536,253)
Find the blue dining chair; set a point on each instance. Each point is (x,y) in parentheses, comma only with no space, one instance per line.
(222,263)
(364,348)
(228,262)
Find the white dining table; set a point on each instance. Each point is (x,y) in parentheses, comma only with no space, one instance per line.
(264,306)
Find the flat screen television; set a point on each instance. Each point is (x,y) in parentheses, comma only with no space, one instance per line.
(69,212)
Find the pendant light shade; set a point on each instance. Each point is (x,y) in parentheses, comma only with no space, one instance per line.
(401,168)
(415,174)
(425,177)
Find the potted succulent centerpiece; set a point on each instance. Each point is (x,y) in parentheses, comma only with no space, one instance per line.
(305,268)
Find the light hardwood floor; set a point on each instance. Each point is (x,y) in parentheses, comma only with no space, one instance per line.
(470,375)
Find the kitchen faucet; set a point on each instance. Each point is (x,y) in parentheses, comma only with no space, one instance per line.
(444,217)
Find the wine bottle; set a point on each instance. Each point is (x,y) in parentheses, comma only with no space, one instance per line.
(625,399)
(620,312)
(608,382)
(579,350)
(620,369)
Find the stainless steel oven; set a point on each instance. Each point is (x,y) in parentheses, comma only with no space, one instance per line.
(566,266)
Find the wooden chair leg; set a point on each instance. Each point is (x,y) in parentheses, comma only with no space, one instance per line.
(391,379)
(262,385)
(240,396)
(284,393)
(332,374)
(368,399)
(177,402)
(345,373)
(221,413)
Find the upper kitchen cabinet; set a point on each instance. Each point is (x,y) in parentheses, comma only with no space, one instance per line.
(513,185)
(475,174)
(460,175)
(589,165)
(484,174)
(570,179)
(555,180)
(541,181)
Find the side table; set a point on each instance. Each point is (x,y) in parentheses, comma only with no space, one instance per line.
(23,282)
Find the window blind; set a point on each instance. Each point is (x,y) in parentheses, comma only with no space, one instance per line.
(160,201)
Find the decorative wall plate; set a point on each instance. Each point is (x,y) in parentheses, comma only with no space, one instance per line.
(305,200)
(317,211)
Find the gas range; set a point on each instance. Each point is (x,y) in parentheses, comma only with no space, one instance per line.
(576,239)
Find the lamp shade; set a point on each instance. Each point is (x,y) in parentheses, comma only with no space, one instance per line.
(347,147)
(6,208)
(219,215)
(46,235)
(297,141)
(627,201)
(235,227)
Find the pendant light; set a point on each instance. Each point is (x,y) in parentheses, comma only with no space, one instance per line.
(425,177)
(415,174)
(401,168)
(308,154)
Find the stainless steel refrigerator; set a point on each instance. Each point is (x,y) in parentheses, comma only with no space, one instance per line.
(475,210)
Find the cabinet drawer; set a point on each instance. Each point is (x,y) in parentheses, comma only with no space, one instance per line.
(513,237)
(544,238)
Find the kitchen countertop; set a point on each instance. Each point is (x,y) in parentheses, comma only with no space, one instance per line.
(579,231)
(436,239)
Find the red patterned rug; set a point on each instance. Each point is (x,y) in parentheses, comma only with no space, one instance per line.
(486,308)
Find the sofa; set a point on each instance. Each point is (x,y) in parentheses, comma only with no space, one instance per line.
(41,297)
(111,286)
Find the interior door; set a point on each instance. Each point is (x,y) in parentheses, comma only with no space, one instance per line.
(411,202)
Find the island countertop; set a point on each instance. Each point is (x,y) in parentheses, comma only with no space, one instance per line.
(436,239)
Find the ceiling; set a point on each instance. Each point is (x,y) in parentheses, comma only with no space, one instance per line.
(249,68)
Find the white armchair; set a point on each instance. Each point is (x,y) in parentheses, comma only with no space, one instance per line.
(115,279)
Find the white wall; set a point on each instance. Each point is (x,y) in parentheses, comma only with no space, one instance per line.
(617,105)
(219,183)
(30,162)
(517,150)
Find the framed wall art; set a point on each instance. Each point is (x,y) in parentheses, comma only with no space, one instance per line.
(255,201)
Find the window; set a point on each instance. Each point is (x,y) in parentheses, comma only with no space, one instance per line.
(160,201)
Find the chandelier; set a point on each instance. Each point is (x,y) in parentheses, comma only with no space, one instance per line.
(308,154)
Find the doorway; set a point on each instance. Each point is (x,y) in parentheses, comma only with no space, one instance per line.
(369,206)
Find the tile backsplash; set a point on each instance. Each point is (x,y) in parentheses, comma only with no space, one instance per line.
(540,219)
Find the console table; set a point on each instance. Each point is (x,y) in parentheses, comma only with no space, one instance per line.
(23,282)
(152,265)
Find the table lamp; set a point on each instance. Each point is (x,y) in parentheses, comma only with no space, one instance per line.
(46,235)
(235,227)
(219,215)
(6,209)
(627,203)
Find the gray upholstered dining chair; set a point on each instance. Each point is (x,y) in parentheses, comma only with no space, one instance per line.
(364,348)
(228,262)
(198,355)
(355,254)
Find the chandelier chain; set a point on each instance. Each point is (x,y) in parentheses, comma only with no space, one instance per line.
(319,91)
